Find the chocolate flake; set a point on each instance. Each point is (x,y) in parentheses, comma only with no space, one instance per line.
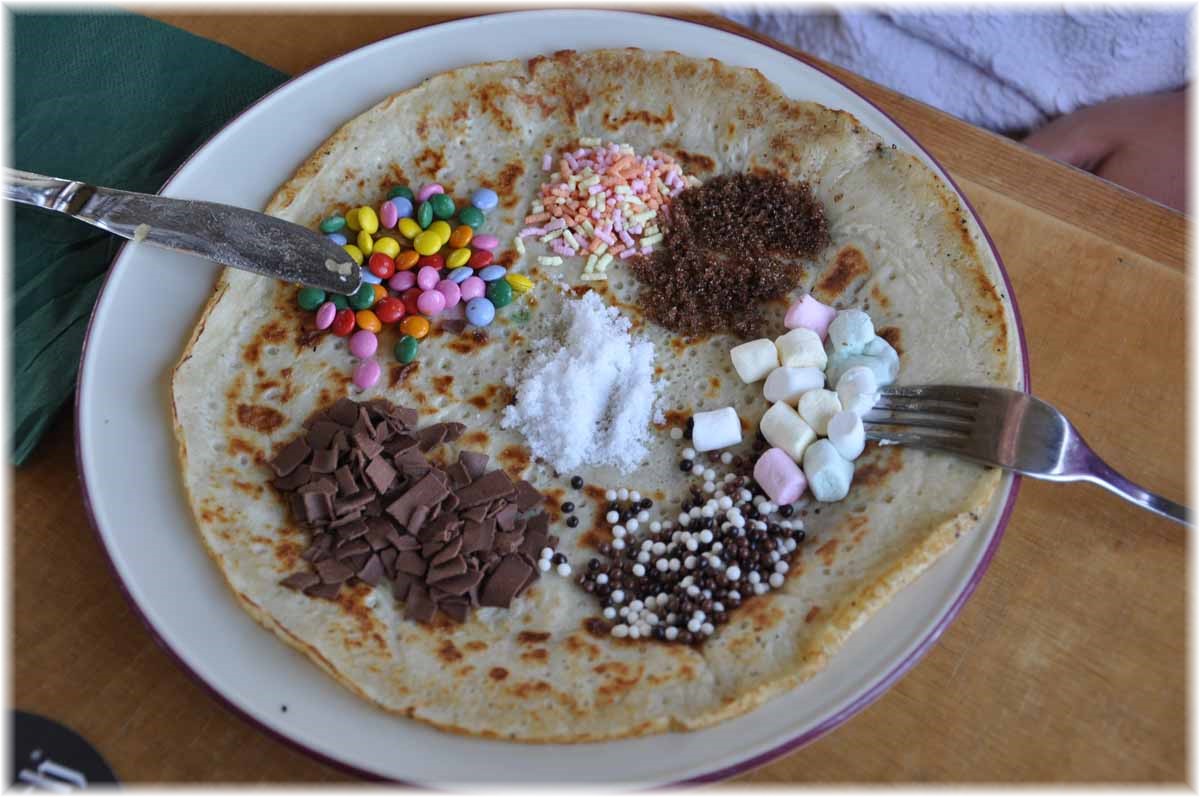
(291,457)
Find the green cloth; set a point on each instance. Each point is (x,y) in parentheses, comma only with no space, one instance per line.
(112,99)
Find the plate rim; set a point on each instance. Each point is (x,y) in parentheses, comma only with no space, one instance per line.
(830,723)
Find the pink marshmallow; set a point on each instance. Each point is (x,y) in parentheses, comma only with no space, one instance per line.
(780,477)
(810,314)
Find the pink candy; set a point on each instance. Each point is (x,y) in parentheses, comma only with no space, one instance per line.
(388,215)
(402,281)
(780,477)
(427,278)
(363,343)
(472,288)
(325,314)
(429,190)
(366,374)
(488,242)
(810,314)
(431,302)
(450,290)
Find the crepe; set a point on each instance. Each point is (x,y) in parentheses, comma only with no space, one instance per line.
(903,247)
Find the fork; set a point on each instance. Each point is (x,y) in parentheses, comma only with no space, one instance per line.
(1004,428)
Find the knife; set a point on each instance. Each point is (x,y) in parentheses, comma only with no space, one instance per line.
(224,234)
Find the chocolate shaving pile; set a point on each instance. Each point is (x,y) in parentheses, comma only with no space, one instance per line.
(729,245)
(448,540)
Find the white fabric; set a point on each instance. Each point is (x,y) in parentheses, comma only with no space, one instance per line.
(1008,71)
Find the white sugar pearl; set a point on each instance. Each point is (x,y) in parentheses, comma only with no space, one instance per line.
(710,474)
(689,453)
(610,613)
(691,545)
(651,602)
(662,565)
(618,545)
(699,615)
(738,521)
(635,496)
(709,487)
(675,565)
(643,557)
(672,633)
(634,632)
(620,630)
(544,565)
(618,596)
(781,567)
(718,606)
(706,536)
(652,618)
(733,573)
(547,553)
(659,548)
(729,477)
(725,503)
(745,495)
(564,569)
(647,544)
(643,516)
(612,517)
(775,557)
(611,495)
(636,606)
(760,589)
(655,526)
(707,628)
(694,512)
(697,470)
(768,508)
(790,544)
(718,547)
(735,595)
(668,525)
(602,578)
(663,598)
(618,532)
(676,433)
(776,580)
(693,590)
(686,581)
(708,512)
(754,577)
(622,494)
(632,524)
(690,563)
(624,611)
(644,628)
(726,458)
(684,519)
(693,626)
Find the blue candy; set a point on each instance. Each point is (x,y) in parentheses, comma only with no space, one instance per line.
(337,238)
(485,199)
(480,312)
(491,273)
(461,273)
(367,276)
(403,205)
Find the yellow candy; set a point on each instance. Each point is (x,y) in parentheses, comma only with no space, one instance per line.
(458,257)
(367,220)
(442,229)
(355,253)
(365,242)
(388,246)
(427,243)
(519,282)
(409,228)
(368,320)
(352,220)
(461,236)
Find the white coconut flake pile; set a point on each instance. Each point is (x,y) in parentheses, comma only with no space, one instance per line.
(586,396)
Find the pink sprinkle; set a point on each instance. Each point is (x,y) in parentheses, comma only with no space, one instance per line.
(547,162)
(625,239)
(603,236)
(596,214)
(557,224)
(574,164)
(628,253)
(529,231)
(595,189)
(568,251)
(579,153)
(646,250)
(636,230)
(638,185)
(618,222)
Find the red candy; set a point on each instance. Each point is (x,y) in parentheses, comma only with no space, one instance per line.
(389,310)
(480,258)
(381,265)
(437,261)
(410,297)
(343,323)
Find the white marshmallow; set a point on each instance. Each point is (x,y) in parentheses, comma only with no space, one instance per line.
(850,331)
(789,384)
(784,428)
(716,429)
(847,435)
(801,348)
(754,360)
(817,407)
(858,389)
(887,358)
(828,474)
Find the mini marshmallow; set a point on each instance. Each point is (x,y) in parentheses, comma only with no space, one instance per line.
(817,407)
(828,474)
(881,350)
(716,429)
(789,384)
(847,435)
(801,348)
(850,331)
(784,428)
(810,314)
(754,360)
(780,477)
(858,389)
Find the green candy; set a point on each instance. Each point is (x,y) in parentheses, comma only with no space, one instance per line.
(310,298)
(425,214)
(471,216)
(499,293)
(333,224)
(406,349)
(364,297)
(401,190)
(443,206)
(339,301)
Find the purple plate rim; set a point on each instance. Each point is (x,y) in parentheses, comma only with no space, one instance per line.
(869,696)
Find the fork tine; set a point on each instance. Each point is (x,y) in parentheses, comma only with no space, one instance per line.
(962,394)
(922,404)
(903,417)
(923,438)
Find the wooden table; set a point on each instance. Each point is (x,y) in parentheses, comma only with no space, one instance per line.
(1067,665)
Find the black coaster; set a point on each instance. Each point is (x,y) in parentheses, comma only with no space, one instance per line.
(50,757)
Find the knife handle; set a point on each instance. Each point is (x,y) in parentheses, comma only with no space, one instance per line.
(51,193)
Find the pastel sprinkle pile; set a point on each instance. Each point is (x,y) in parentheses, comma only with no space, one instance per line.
(418,265)
(602,203)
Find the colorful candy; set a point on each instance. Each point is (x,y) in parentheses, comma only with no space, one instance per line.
(402,281)
(500,293)
(352,220)
(333,224)
(363,343)
(427,243)
(480,258)
(432,261)
(337,238)
(388,215)
(450,290)
(459,274)
(407,259)
(443,231)
(366,374)
(368,222)
(403,206)
(380,291)
(488,242)
(355,253)
(401,191)
(519,282)
(363,298)
(310,298)
(427,278)
(442,205)
(458,258)
(388,246)
(472,288)
(366,244)
(485,199)
(461,236)
(343,323)
(471,216)
(381,265)
(431,302)
(339,301)
(388,310)
(424,214)
(370,278)
(491,273)
(415,325)
(325,314)
(408,228)
(368,321)
(406,349)
(429,190)
(480,312)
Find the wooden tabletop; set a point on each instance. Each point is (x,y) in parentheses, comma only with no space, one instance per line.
(1068,664)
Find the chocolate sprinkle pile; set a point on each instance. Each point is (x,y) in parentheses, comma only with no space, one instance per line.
(379,510)
(729,245)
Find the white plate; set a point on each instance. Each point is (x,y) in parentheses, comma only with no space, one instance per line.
(127,455)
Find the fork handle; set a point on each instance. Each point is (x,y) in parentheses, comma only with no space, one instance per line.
(1099,472)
